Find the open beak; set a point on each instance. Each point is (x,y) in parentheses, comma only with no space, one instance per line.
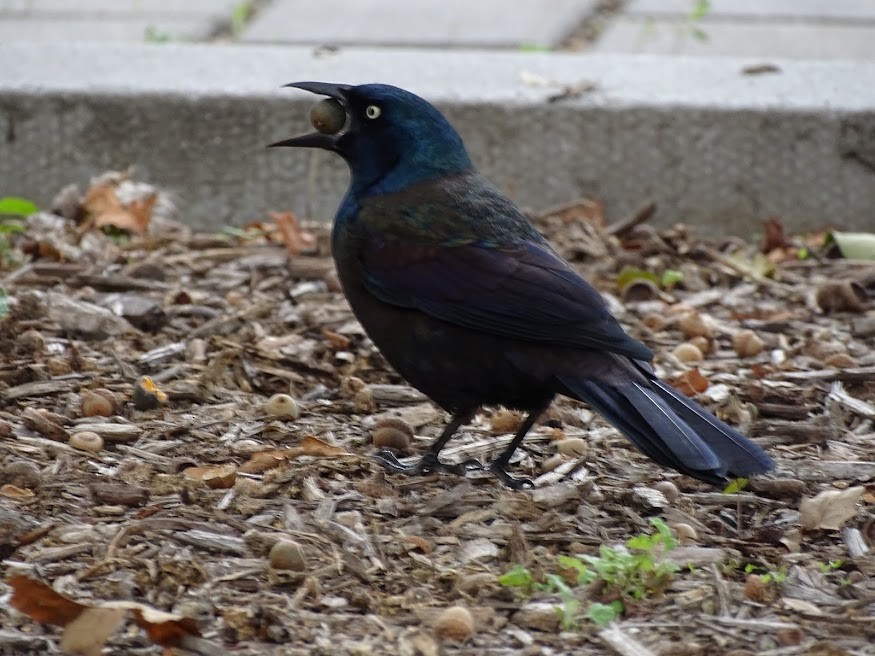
(317,139)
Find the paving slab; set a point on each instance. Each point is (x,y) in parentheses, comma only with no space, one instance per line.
(710,144)
(137,29)
(132,21)
(738,38)
(457,23)
(773,10)
(117,7)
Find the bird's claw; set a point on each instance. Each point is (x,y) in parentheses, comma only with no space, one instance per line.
(428,464)
(498,468)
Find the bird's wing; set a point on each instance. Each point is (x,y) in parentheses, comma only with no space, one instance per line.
(524,292)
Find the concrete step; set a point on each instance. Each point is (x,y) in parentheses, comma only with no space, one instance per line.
(738,38)
(710,144)
(452,23)
(823,11)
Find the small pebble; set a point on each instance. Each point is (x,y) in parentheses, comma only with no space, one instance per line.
(31,341)
(94,404)
(686,352)
(701,343)
(390,437)
(685,533)
(669,490)
(454,623)
(86,441)
(692,324)
(282,406)
(21,473)
(747,344)
(288,555)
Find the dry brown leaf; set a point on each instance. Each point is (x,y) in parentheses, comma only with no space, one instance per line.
(217,477)
(294,237)
(829,509)
(17,493)
(691,382)
(313,446)
(88,626)
(262,461)
(104,208)
(309,446)
(775,236)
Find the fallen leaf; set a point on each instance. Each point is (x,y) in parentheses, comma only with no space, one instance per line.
(294,237)
(829,509)
(853,245)
(39,601)
(774,235)
(312,446)
(690,382)
(261,461)
(87,627)
(216,477)
(104,208)
(17,493)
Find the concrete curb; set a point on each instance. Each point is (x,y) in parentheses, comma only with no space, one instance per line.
(711,145)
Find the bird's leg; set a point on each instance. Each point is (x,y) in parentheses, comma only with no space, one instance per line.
(499,465)
(429,463)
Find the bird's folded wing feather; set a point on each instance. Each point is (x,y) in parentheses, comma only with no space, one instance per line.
(523,292)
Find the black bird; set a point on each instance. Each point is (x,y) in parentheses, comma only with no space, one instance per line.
(471,304)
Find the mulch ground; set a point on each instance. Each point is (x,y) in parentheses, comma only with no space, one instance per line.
(180,508)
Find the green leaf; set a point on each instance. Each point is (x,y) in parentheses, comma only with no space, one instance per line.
(854,245)
(516,577)
(700,9)
(11,226)
(666,536)
(735,486)
(671,277)
(699,34)
(604,614)
(17,206)
(533,47)
(568,612)
(629,274)
(585,575)
(555,582)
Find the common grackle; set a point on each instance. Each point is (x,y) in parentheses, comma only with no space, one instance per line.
(471,304)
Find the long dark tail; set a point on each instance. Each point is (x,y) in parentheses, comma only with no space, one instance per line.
(670,428)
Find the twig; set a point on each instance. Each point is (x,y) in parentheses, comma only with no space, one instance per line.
(851,374)
(752,624)
(745,272)
(623,643)
(720,587)
(623,226)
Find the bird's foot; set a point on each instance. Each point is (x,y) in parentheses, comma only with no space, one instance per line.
(428,464)
(500,470)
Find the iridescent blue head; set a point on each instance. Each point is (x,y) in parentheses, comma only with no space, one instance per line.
(390,138)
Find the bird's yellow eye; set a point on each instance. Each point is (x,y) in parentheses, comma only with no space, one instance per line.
(372,111)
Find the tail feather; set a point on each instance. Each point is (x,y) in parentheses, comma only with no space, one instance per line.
(741,456)
(670,428)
